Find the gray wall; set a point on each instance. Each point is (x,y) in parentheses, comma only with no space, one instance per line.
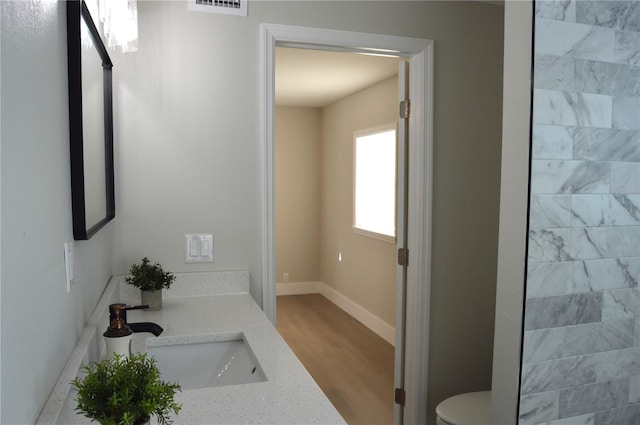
(297,193)
(40,321)
(582,314)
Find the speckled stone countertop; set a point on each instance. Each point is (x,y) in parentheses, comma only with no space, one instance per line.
(289,396)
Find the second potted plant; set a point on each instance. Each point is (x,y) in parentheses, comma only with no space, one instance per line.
(150,279)
(125,391)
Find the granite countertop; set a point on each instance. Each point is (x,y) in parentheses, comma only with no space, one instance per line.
(289,396)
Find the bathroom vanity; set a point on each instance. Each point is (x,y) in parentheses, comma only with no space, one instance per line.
(206,308)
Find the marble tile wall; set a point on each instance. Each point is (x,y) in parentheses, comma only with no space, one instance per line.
(581,352)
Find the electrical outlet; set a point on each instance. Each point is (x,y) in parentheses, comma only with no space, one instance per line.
(285,277)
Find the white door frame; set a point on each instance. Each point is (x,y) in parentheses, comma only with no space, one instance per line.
(420,55)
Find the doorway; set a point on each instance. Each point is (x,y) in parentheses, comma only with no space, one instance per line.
(419,54)
(336,113)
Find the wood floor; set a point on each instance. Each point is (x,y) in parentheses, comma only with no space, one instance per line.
(352,365)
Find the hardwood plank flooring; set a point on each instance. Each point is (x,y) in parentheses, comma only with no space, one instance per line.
(350,363)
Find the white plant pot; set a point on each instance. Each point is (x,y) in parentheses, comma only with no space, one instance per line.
(153,298)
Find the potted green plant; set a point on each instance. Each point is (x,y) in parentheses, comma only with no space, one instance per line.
(125,390)
(150,279)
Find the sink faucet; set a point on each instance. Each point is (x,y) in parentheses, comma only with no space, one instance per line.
(118,334)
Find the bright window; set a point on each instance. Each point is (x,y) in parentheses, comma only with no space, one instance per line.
(375,182)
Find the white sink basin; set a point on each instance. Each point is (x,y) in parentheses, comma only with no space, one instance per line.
(206,364)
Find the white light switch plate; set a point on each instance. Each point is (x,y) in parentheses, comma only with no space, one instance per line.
(198,248)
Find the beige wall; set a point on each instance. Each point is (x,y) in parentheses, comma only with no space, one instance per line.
(366,274)
(314,200)
(297,198)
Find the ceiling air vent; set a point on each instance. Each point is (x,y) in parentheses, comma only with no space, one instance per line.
(229,7)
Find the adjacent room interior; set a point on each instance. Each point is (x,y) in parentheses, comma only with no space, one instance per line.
(324,99)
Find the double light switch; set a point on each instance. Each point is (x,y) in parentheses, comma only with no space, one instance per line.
(198,248)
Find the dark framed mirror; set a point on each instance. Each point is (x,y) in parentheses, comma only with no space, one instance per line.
(90,124)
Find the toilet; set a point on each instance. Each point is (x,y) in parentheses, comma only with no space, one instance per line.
(465,409)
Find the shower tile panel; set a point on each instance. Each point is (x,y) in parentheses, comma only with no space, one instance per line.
(623,241)
(606,274)
(588,243)
(549,245)
(625,415)
(547,279)
(544,344)
(622,15)
(592,398)
(588,177)
(539,408)
(624,210)
(588,419)
(588,210)
(559,10)
(591,243)
(606,210)
(625,177)
(621,303)
(636,340)
(634,389)
(574,40)
(602,210)
(554,72)
(598,337)
(556,374)
(567,108)
(603,144)
(606,78)
(582,314)
(626,113)
(556,177)
(550,211)
(627,48)
(617,364)
(552,142)
(564,310)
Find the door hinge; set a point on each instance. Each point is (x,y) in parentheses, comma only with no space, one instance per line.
(403,257)
(399,396)
(405,109)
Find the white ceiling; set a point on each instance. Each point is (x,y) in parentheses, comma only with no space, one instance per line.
(316,78)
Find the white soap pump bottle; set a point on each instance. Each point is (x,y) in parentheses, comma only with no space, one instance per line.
(118,335)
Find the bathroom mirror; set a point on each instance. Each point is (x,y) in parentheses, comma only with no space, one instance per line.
(90,124)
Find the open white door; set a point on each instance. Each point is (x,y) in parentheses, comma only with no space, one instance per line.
(401,239)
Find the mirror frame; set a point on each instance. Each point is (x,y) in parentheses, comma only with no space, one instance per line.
(76,11)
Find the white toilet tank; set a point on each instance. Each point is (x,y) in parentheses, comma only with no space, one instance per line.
(465,409)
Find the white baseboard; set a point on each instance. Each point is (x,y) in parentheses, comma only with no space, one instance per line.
(364,316)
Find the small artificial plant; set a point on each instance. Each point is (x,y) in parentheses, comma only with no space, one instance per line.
(125,390)
(149,277)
